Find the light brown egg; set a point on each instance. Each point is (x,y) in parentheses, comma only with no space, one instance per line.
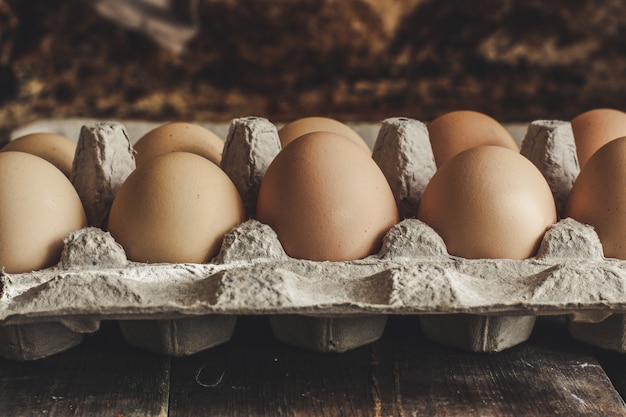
(598,197)
(38,208)
(594,128)
(326,199)
(175,208)
(179,137)
(56,149)
(489,202)
(457,131)
(297,128)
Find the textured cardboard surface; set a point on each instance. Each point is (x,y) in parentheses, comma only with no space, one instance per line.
(413,274)
(409,283)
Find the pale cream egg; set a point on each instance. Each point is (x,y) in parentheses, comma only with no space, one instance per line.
(179,137)
(326,199)
(598,197)
(38,208)
(54,148)
(175,208)
(489,202)
(293,130)
(594,128)
(457,131)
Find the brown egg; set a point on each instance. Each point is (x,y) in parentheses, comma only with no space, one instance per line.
(489,202)
(175,208)
(598,197)
(594,128)
(326,199)
(38,208)
(299,127)
(56,149)
(454,132)
(182,137)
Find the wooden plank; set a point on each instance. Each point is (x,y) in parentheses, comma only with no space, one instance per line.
(103,376)
(551,374)
(256,375)
(401,375)
(614,364)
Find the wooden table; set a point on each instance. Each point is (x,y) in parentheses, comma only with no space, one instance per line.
(403,374)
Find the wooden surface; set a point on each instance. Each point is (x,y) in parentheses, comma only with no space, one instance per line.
(403,374)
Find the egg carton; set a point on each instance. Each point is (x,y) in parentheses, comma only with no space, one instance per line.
(180,309)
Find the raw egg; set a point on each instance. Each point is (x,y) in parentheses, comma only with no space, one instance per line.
(454,132)
(179,136)
(326,199)
(56,149)
(594,128)
(489,202)
(598,197)
(38,208)
(175,208)
(299,127)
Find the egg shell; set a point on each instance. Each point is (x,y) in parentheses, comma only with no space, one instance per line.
(175,208)
(293,130)
(38,208)
(181,137)
(413,274)
(594,128)
(489,202)
(54,148)
(326,200)
(456,131)
(598,197)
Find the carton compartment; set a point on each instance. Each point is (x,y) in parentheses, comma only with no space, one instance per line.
(36,340)
(179,337)
(180,309)
(609,333)
(328,334)
(477,333)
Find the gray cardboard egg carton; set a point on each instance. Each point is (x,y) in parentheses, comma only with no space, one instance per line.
(180,309)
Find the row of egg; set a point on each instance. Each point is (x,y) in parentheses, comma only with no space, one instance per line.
(323,194)
(489,201)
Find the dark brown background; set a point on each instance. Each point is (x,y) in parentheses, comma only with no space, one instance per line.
(349,59)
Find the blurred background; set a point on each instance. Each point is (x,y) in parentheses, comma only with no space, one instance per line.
(354,60)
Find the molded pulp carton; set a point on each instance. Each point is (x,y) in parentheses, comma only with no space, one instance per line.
(180,309)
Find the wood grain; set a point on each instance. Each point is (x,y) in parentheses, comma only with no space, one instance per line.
(103,376)
(533,379)
(401,375)
(256,375)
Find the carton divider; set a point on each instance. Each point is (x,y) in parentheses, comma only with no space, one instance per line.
(179,309)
